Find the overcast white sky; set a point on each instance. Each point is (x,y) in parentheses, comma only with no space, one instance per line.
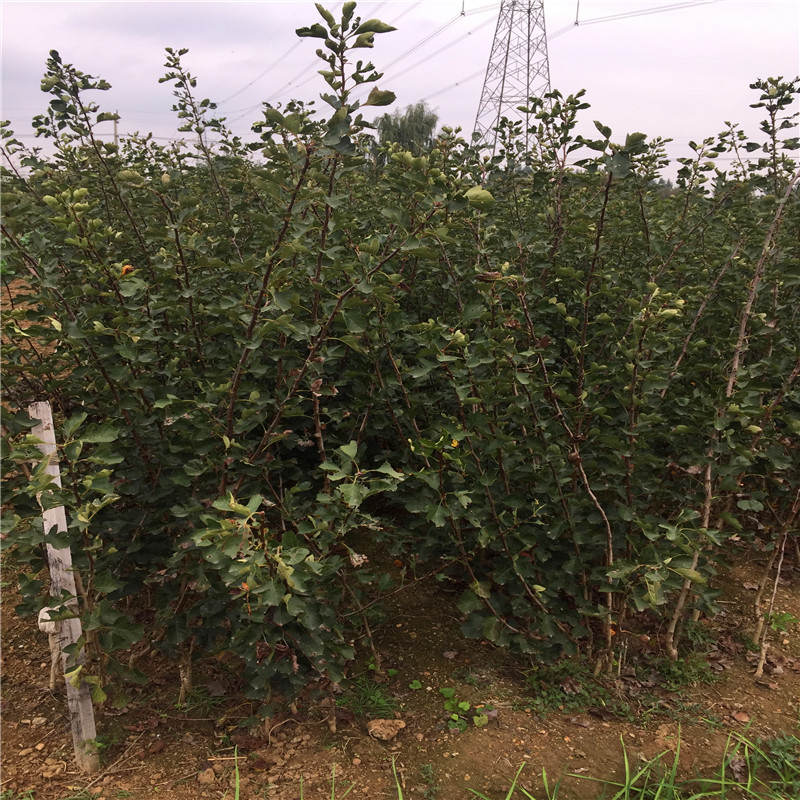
(664,67)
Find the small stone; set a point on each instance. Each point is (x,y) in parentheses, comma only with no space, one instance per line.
(419,737)
(26,752)
(52,771)
(356,762)
(206,777)
(40,746)
(38,721)
(384,729)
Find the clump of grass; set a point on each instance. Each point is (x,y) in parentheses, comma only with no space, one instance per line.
(431,778)
(750,770)
(551,792)
(569,687)
(366,698)
(690,670)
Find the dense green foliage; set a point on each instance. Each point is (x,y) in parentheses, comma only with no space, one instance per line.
(570,385)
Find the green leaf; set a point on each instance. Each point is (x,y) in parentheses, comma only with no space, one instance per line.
(620,164)
(353,493)
(604,129)
(347,10)
(325,14)
(355,322)
(440,515)
(98,695)
(731,520)
(254,503)
(469,602)
(374,26)
(350,450)
(377,97)
(100,433)
(105,582)
(634,141)
(365,40)
(72,424)
(386,469)
(691,574)
(447,692)
(73,676)
(315,31)
(8,522)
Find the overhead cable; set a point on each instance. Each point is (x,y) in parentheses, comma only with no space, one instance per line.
(591,21)
(261,74)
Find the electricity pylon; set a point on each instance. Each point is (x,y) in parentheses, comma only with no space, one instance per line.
(518,66)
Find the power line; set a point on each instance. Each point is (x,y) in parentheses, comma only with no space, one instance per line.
(468,78)
(592,21)
(291,83)
(439,30)
(646,12)
(269,68)
(309,77)
(441,50)
(262,74)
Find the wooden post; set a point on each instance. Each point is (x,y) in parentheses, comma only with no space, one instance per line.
(62,579)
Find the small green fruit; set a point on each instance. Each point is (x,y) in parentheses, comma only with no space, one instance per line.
(479,198)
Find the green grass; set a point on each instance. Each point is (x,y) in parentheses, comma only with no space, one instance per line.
(431,777)
(199,701)
(366,698)
(570,687)
(750,770)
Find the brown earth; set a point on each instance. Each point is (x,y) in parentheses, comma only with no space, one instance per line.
(157,747)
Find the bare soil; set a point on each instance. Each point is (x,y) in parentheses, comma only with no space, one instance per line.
(155,746)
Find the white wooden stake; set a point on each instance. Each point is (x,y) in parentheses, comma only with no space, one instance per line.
(62,579)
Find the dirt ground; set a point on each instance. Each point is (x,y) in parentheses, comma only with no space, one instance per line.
(566,723)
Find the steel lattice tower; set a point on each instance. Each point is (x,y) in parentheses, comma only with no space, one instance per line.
(518,66)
